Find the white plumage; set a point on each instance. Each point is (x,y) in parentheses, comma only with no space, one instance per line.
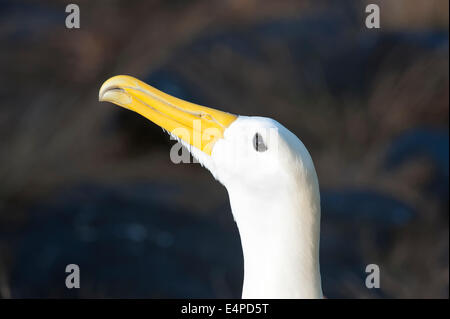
(275,201)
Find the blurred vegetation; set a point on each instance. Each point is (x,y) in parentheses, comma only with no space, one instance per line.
(371,106)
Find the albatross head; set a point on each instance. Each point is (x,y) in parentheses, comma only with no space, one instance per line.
(269,176)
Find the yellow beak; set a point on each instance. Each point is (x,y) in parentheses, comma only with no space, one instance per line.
(199,126)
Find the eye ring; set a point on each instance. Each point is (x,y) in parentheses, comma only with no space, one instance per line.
(258,143)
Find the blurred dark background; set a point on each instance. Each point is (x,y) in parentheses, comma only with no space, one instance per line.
(92,184)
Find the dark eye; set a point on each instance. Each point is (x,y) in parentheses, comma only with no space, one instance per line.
(258,143)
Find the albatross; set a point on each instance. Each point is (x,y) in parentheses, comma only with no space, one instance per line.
(269,176)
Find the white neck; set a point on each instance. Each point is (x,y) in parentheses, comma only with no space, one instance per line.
(281,245)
